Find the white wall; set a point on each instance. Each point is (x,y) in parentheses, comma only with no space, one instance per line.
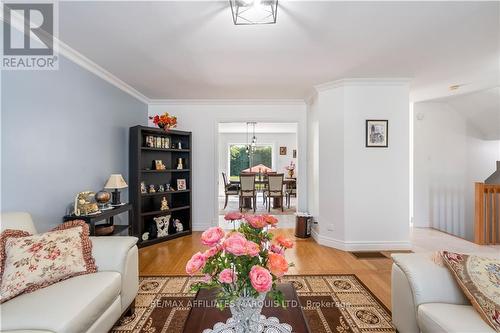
(202,118)
(450,154)
(363,192)
(276,140)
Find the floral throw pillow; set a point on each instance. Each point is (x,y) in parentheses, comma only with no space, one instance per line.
(30,262)
(479,279)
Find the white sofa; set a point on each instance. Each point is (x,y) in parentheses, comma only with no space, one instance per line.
(85,303)
(426,298)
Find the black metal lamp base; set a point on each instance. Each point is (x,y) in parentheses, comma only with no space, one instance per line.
(115,198)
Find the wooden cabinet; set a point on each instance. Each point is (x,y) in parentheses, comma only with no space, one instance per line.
(154,158)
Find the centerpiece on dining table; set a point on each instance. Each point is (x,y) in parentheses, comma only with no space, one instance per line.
(244,266)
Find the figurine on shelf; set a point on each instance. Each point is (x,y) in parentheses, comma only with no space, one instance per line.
(180,165)
(145,236)
(85,204)
(143,188)
(161,188)
(179,145)
(152,189)
(178,225)
(164,204)
(167,187)
(158,165)
(162,225)
(150,141)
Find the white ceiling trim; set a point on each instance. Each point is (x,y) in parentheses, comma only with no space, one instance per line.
(227,102)
(361,81)
(71,54)
(84,62)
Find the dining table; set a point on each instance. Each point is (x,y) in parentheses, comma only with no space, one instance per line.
(277,202)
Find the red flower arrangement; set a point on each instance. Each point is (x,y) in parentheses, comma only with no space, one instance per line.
(165,121)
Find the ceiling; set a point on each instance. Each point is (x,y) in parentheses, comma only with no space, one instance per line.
(259,128)
(184,50)
(481,109)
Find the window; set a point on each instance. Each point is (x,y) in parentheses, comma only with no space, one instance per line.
(239,161)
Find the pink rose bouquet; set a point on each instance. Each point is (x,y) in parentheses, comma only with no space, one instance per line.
(244,262)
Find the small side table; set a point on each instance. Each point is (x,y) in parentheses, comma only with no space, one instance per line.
(107,215)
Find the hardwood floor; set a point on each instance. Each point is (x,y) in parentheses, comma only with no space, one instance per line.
(170,258)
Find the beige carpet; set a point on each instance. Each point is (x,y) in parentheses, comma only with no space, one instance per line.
(330,303)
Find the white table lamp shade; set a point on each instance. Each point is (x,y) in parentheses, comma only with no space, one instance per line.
(115,181)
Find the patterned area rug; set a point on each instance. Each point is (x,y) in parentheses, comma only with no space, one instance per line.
(331,303)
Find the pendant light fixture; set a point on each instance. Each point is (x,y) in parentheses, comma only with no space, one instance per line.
(247,12)
(251,143)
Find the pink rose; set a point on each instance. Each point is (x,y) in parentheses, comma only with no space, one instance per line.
(227,276)
(211,252)
(231,216)
(276,249)
(253,249)
(261,279)
(236,244)
(271,220)
(256,221)
(284,242)
(212,236)
(195,263)
(277,264)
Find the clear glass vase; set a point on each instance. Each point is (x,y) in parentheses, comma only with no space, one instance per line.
(246,313)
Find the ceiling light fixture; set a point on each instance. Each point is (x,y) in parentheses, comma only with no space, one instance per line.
(247,12)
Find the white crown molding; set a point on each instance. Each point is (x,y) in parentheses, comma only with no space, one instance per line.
(71,54)
(62,49)
(359,245)
(361,82)
(226,102)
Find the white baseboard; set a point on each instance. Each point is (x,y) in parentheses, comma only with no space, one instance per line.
(201,227)
(360,245)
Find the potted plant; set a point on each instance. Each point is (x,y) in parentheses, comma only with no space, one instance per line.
(164,121)
(244,265)
(291,169)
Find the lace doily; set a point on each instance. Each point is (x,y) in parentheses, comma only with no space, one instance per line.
(266,325)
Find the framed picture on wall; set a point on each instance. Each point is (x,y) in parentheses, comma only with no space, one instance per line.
(377,133)
(282,150)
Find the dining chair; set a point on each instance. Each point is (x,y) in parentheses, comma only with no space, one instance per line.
(291,190)
(264,186)
(247,190)
(229,189)
(274,189)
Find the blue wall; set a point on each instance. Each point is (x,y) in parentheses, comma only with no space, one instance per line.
(63,132)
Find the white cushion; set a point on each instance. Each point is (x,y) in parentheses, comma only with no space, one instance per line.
(442,317)
(17,221)
(422,273)
(69,306)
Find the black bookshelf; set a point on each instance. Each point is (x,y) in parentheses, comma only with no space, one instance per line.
(142,169)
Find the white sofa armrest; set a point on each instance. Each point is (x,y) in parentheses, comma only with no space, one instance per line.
(429,282)
(119,254)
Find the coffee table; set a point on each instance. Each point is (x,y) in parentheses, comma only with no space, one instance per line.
(201,317)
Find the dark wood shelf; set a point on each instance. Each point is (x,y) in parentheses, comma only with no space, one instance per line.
(161,239)
(119,228)
(161,132)
(158,212)
(145,195)
(166,170)
(108,216)
(146,205)
(173,150)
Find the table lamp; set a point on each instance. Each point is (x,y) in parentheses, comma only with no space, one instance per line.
(115,182)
